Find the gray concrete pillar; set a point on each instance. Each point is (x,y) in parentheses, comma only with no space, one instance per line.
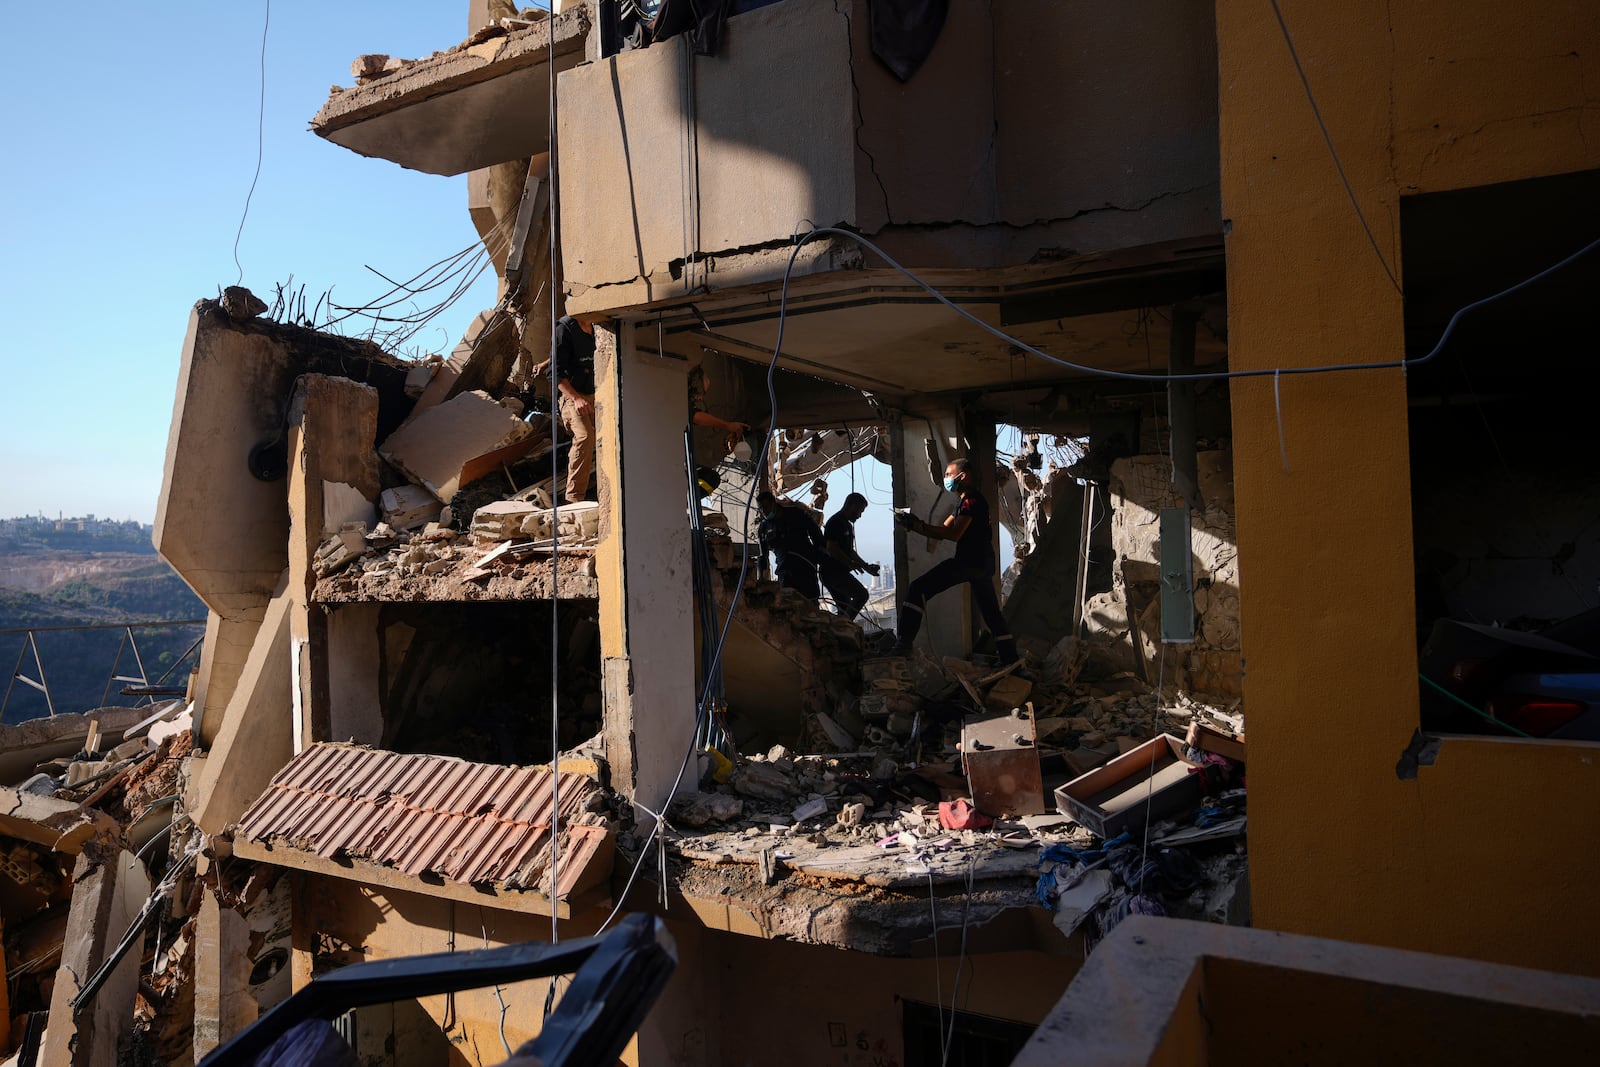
(109,887)
(223,1005)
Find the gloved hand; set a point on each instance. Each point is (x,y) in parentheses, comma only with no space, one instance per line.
(904,518)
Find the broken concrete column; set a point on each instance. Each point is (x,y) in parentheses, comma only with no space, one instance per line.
(256,738)
(109,887)
(223,1005)
(332,427)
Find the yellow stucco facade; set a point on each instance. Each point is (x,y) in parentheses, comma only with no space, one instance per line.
(1488,853)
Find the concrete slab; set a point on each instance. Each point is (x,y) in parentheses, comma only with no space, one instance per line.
(25,745)
(459,110)
(61,825)
(434,447)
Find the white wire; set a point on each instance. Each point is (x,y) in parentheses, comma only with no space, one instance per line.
(1189,376)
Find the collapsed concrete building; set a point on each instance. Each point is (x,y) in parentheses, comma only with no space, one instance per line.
(438,712)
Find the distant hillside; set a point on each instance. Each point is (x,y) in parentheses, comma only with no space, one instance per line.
(73,577)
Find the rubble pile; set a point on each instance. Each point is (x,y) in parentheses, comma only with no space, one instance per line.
(903,792)
(100,822)
(492,540)
(1124,623)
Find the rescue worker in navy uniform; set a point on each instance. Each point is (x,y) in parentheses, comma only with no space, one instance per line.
(973,564)
(789,532)
(839,568)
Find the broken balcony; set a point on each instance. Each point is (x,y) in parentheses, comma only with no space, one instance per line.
(481,103)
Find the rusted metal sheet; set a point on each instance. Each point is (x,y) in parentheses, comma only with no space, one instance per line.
(472,823)
(1001,759)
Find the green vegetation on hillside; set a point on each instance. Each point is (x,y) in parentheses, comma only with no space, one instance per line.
(78,664)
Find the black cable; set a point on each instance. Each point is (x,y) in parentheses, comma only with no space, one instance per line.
(261,140)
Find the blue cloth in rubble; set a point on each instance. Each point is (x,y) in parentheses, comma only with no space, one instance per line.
(1167,870)
(1045,891)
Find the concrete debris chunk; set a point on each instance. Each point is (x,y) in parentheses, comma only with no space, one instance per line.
(420,374)
(761,781)
(435,447)
(58,824)
(343,504)
(810,809)
(406,507)
(240,303)
(571,524)
(840,738)
(702,809)
(502,520)
(852,815)
(368,66)
(340,550)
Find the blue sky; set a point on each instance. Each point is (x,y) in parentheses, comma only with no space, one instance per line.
(130,139)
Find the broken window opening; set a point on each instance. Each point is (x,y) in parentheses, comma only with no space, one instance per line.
(974,1040)
(466,680)
(1504,492)
(1031,471)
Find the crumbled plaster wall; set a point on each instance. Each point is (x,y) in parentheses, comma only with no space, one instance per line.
(1124,625)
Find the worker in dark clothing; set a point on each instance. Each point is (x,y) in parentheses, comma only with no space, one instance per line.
(712,437)
(789,532)
(973,564)
(840,566)
(573,354)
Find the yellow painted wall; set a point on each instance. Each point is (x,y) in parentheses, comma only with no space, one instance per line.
(734,999)
(1491,852)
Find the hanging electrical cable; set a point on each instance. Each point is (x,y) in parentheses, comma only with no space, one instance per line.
(555,526)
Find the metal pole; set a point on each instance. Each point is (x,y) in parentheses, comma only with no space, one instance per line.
(22,650)
(44,683)
(127,632)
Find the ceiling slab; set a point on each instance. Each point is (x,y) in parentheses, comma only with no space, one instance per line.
(460,110)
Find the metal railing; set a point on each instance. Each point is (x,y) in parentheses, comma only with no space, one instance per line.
(138,685)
